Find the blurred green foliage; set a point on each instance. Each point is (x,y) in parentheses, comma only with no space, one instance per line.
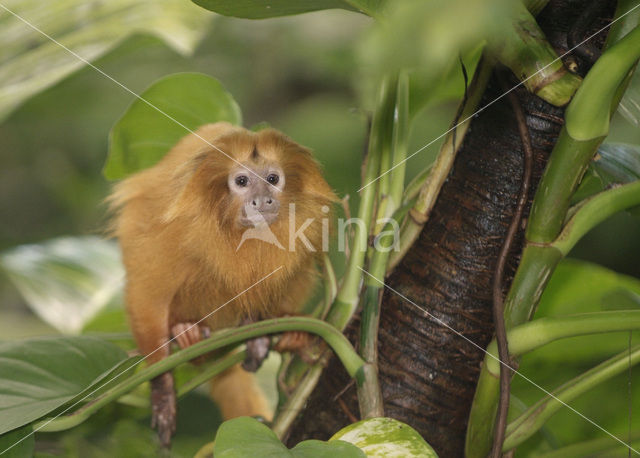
(305,75)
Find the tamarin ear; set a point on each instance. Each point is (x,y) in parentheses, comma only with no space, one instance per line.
(180,180)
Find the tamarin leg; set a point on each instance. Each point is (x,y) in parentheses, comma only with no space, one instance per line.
(237,394)
(149,315)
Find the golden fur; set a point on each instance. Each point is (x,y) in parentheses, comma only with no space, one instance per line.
(178,230)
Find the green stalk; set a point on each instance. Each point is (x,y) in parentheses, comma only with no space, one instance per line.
(348,295)
(602,446)
(525,50)
(528,423)
(595,210)
(211,370)
(369,394)
(338,342)
(535,334)
(413,188)
(522,339)
(585,117)
(208,372)
(438,173)
(294,404)
(568,162)
(330,285)
(587,124)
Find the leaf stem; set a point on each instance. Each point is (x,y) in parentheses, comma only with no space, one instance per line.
(351,360)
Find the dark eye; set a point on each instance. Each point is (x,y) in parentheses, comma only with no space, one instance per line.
(273,178)
(242,180)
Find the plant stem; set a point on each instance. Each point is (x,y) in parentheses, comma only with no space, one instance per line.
(351,360)
(535,334)
(602,446)
(529,422)
(595,210)
(347,299)
(523,339)
(369,395)
(525,50)
(290,409)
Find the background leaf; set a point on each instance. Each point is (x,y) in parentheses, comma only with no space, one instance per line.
(66,281)
(144,135)
(30,62)
(246,437)
(39,375)
(256,9)
(382,437)
(16,444)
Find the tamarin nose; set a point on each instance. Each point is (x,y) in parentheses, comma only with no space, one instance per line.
(262,204)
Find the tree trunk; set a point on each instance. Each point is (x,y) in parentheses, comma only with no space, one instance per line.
(428,373)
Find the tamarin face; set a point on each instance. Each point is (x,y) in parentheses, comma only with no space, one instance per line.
(257,189)
(252,185)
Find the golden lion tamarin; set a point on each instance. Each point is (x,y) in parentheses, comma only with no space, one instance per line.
(182,226)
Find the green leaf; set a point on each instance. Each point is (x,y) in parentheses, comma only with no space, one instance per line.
(246,437)
(39,375)
(618,163)
(31,62)
(426,38)
(582,287)
(144,135)
(256,9)
(17,443)
(382,437)
(320,449)
(66,281)
(615,163)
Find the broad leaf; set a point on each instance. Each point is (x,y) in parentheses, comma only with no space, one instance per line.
(246,437)
(176,103)
(31,62)
(618,163)
(17,443)
(256,9)
(582,287)
(39,375)
(382,437)
(66,281)
(615,163)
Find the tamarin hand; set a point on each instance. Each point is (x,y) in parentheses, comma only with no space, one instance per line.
(220,212)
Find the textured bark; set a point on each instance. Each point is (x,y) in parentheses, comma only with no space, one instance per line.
(428,373)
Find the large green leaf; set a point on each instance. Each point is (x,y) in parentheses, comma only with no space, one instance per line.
(39,375)
(257,9)
(17,443)
(173,104)
(582,287)
(31,62)
(246,437)
(618,163)
(615,163)
(66,281)
(382,437)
